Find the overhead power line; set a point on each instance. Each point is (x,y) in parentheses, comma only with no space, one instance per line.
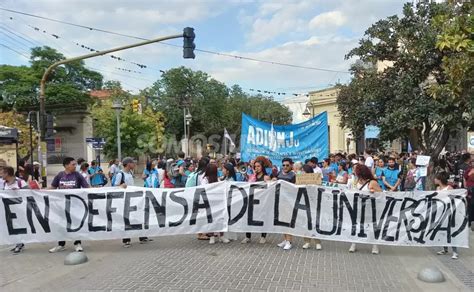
(11,49)
(164,43)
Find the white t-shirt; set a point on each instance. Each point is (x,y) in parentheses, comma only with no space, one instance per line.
(128,179)
(16,185)
(369,162)
(85,175)
(318,169)
(113,169)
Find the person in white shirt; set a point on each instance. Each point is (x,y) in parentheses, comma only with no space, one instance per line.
(10,182)
(314,163)
(114,168)
(124,178)
(369,161)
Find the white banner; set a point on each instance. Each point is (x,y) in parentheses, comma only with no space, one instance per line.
(391,218)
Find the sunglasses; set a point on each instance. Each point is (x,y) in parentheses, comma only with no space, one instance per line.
(286,164)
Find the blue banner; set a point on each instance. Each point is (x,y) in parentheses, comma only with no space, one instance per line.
(298,142)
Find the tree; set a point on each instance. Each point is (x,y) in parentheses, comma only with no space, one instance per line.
(413,97)
(67,86)
(13,119)
(140,133)
(213,105)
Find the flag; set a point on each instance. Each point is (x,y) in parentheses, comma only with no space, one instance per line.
(409,147)
(227,136)
(272,139)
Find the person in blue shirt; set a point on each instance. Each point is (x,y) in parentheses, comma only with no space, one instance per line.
(378,172)
(334,164)
(97,175)
(391,176)
(150,176)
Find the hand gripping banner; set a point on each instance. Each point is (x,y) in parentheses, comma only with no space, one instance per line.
(435,218)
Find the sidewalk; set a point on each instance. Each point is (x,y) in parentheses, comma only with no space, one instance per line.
(182,263)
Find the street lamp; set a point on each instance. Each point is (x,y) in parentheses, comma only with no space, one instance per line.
(118,107)
(187,120)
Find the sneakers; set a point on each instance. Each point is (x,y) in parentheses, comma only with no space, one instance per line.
(442,252)
(78,247)
(245,240)
(263,240)
(352,248)
(57,249)
(287,246)
(375,249)
(145,240)
(306,245)
(455,256)
(127,244)
(282,244)
(212,240)
(224,240)
(18,248)
(319,246)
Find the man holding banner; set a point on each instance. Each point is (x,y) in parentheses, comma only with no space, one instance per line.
(68,179)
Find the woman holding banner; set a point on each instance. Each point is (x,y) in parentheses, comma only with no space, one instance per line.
(259,175)
(366,182)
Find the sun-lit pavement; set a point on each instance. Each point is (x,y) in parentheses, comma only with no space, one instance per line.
(183,263)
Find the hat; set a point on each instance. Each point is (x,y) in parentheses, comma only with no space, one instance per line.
(180,162)
(128,160)
(354,161)
(36,163)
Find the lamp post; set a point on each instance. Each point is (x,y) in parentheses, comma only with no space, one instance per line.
(187,119)
(118,107)
(28,120)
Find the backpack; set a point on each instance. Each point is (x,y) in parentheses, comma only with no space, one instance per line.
(192,179)
(122,180)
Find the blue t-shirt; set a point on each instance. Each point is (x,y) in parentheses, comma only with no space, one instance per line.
(335,167)
(152,180)
(379,173)
(96,178)
(391,175)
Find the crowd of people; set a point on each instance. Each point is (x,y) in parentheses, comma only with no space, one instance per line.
(372,172)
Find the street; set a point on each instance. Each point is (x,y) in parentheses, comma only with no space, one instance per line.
(182,263)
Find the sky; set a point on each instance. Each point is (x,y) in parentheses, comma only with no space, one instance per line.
(312,33)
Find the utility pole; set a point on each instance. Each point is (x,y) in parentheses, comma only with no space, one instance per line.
(188,52)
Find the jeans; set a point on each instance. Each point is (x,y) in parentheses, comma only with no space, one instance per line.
(455,249)
(63,243)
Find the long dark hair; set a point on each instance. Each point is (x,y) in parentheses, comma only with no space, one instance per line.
(148,166)
(211,173)
(363,172)
(230,168)
(262,164)
(202,165)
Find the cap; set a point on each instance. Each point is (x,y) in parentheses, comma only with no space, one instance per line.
(180,162)
(127,160)
(354,161)
(36,163)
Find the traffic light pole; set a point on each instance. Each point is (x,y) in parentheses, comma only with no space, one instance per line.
(83,57)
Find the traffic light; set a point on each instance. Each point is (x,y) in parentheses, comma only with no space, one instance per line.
(135,105)
(188,43)
(50,126)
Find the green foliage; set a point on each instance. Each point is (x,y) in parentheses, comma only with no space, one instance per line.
(140,133)
(66,87)
(400,99)
(212,105)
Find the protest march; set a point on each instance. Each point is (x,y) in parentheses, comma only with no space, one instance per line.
(277,186)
